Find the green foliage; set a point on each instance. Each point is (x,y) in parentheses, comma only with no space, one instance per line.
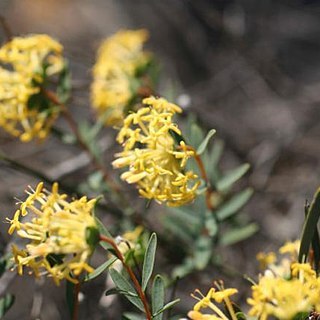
(124,287)
(6,303)
(157,296)
(309,227)
(148,262)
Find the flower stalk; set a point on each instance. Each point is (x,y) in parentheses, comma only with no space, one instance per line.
(131,274)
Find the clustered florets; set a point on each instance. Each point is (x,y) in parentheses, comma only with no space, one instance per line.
(25,65)
(57,233)
(156,163)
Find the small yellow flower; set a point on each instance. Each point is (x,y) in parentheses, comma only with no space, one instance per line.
(292,248)
(61,235)
(266,259)
(31,60)
(196,315)
(118,61)
(155,162)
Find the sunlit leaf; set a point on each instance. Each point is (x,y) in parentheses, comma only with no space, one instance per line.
(148,262)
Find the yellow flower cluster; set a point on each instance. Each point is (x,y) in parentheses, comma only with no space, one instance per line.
(155,162)
(119,59)
(58,232)
(286,288)
(25,64)
(209,302)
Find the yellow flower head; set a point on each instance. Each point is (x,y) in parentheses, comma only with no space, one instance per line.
(27,63)
(282,298)
(119,59)
(61,234)
(155,162)
(286,288)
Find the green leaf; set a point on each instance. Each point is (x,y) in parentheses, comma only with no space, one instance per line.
(64,85)
(203,252)
(196,135)
(5,304)
(167,306)
(234,204)
(205,141)
(125,288)
(309,227)
(241,316)
(214,158)
(231,177)
(238,234)
(157,297)
(211,224)
(148,262)
(132,316)
(100,269)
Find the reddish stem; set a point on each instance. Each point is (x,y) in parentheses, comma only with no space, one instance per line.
(76,292)
(73,126)
(131,275)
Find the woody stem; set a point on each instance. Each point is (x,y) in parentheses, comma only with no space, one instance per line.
(131,275)
(74,128)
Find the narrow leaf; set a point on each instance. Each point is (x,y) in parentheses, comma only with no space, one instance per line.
(148,262)
(132,316)
(5,304)
(231,177)
(168,306)
(234,204)
(203,252)
(125,287)
(205,142)
(309,227)
(100,269)
(102,229)
(157,297)
(238,234)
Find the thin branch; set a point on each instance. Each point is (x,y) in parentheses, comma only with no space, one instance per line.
(131,275)
(6,28)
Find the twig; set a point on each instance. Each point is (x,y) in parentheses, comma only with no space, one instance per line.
(73,126)
(6,28)
(131,275)
(76,291)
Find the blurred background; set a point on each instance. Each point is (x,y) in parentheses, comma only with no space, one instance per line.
(250,69)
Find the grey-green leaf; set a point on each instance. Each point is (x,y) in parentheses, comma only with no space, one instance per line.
(168,306)
(148,262)
(5,304)
(100,269)
(203,252)
(157,297)
(238,234)
(234,204)
(132,316)
(231,177)
(205,141)
(125,287)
